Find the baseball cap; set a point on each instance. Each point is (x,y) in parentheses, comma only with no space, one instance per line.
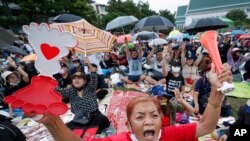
(235,49)
(5,74)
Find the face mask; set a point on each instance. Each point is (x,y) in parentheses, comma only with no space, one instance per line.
(76,64)
(61,71)
(176,69)
(15,84)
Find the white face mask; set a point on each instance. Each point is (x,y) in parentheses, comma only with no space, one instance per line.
(176,69)
(61,71)
(15,84)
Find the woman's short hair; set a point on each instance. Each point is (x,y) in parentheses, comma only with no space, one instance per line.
(142,99)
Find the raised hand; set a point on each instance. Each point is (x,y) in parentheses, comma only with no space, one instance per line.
(178,95)
(11,62)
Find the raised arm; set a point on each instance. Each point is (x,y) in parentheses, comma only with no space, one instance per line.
(150,55)
(183,102)
(183,52)
(93,75)
(208,121)
(198,60)
(164,63)
(139,47)
(128,54)
(13,64)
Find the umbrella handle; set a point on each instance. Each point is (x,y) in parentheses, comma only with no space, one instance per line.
(85,53)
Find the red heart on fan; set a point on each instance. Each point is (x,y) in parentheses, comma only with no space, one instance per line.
(49,51)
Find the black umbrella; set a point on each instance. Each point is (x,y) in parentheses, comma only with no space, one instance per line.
(206,24)
(65,18)
(7,36)
(153,23)
(13,49)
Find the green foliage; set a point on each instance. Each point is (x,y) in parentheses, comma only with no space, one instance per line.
(239,17)
(41,10)
(140,10)
(167,14)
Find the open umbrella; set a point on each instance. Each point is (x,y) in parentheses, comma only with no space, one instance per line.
(157,41)
(90,38)
(245,36)
(7,36)
(120,22)
(65,18)
(206,24)
(153,23)
(13,49)
(121,39)
(31,57)
(145,35)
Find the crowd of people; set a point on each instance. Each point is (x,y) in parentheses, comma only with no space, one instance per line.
(173,73)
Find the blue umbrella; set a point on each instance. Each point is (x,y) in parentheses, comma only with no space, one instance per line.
(238,32)
(120,22)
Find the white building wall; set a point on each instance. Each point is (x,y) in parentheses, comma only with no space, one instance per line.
(218,14)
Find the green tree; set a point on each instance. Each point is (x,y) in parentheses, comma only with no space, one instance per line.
(118,8)
(239,17)
(167,14)
(41,10)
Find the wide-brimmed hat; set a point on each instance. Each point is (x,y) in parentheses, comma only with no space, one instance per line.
(5,74)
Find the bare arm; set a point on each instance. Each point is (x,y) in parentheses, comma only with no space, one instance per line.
(183,52)
(183,102)
(24,75)
(208,121)
(198,60)
(150,55)
(140,48)
(58,129)
(128,54)
(164,64)
(196,104)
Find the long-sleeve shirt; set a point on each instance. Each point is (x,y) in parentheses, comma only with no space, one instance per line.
(234,64)
(88,101)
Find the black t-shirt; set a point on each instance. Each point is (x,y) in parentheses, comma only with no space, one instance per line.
(173,82)
(63,82)
(9,90)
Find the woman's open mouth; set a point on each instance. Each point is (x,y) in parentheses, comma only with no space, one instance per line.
(149,135)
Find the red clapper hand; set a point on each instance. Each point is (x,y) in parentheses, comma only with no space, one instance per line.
(39,97)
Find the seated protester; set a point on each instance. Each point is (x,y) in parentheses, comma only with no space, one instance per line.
(135,64)
(83,101)
(76,67)
(202,92)
(169,107)
(107,64)
(235,59)
(189,66)
(63,78)
(9,132)
(122,63)
(101,91)
(174,79)
(14,80)
(156,65)
(242,120)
